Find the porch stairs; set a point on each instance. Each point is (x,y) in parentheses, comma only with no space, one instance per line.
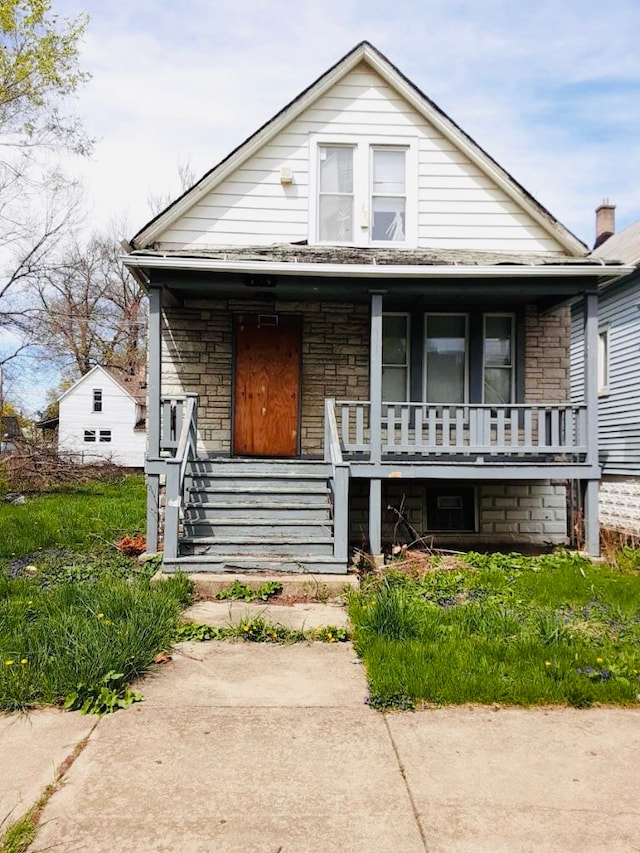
(271,515)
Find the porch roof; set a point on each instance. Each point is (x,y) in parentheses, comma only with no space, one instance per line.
(300,272)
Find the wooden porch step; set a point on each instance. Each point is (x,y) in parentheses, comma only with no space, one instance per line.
(233,563)
(320,510)
(256,467)
(228,490)
(280,528)
(258,546)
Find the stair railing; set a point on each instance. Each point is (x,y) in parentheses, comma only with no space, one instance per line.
(178,484)
(339,481)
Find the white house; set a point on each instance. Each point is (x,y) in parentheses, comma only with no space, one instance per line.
(103,416)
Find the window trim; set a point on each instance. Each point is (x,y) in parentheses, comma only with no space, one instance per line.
(362,185)
(603,361)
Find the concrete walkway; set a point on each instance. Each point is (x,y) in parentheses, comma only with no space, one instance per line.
(243,747)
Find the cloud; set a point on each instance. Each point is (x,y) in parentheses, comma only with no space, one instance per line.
(549,92)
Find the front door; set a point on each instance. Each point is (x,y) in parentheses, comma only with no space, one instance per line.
(267,387)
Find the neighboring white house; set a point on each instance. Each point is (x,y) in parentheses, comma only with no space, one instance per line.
(103,416)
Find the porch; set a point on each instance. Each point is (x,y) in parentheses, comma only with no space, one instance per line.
(224,513)
(536,436)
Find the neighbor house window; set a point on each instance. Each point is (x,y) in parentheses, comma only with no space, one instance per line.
(97,399)
(335,196)
(395,358)
(603,362)
(446,358)
(89,435)
(498,361)
(105,435)
(388,194)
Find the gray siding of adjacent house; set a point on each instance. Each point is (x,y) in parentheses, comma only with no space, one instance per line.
(619,409)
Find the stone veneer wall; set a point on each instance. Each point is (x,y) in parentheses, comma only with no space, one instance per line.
(547,356)
(197,357)
(508,513)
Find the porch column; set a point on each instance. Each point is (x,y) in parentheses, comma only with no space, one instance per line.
(591,524)
(375,517)
(375,422)
(375,377)
(154,371)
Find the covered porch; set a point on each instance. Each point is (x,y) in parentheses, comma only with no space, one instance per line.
(369,438)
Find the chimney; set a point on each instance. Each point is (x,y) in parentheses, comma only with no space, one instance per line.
(605,222)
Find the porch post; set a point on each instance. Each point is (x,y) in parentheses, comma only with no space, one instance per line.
(591,523)
(375,517)
(153,415)
(591,374)
(375,377)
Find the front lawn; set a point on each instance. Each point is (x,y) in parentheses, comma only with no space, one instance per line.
(78,516)
(501,629)
(81,629)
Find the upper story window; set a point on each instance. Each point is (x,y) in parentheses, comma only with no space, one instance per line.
(363,192)
(335,194)
(388,194)
(97,399)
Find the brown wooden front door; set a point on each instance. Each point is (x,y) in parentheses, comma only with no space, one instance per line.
(267,389)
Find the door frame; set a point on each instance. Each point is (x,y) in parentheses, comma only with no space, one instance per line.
(253,318)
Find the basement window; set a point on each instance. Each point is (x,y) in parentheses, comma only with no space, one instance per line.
(451,509)
(89,435)
(105,435)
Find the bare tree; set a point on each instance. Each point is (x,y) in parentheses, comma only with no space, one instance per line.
(158,201)
(38,72)
(89,310)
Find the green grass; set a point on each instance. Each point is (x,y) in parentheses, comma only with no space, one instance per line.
(505,629)
(76,517)
(75,631)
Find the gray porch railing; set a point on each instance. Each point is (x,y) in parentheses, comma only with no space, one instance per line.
(179,436)
(339,482)
(525,430)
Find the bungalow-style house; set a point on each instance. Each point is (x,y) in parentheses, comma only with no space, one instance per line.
(618,374)
(359,334)
(102,417)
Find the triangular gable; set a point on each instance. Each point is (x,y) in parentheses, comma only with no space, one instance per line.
(362,53)
(98,369)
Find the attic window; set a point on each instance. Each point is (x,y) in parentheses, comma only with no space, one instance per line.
(363,191)
(97,399)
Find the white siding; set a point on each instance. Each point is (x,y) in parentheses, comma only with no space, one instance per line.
(119,411)
(459,207)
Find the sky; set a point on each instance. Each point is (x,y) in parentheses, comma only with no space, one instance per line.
(550,89)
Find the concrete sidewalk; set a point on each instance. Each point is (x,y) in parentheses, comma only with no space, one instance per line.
(246,747)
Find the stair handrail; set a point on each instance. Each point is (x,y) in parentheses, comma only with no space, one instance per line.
(176,467)
(339,481)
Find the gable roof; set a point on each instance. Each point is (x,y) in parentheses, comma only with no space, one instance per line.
(362,52)
(623,246)
(134,386)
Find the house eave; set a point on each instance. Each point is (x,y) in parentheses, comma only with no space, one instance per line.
(378,271)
